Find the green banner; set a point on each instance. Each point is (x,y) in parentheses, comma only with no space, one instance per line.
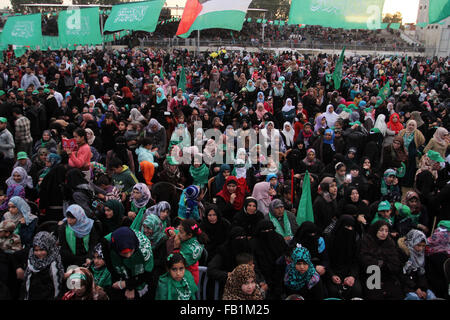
(438,10)
(384,93)
(182,81)
(347,14)
(23,30)
(135,16)
(79,27)
(337,74)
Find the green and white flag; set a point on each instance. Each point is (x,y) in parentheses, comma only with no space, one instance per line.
(438,10)
(182,81)
(141,16)
(347,14)
(23,30)
(79,27)
(337,74)
(384,93)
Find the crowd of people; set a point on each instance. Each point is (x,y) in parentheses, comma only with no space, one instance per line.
(98,201)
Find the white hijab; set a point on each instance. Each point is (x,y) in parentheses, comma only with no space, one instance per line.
(331,116)
(288,107)
(288,134)
(381,124)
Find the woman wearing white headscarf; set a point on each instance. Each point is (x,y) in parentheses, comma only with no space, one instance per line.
(135,115)
(288,135)
(331,116)
(288,110)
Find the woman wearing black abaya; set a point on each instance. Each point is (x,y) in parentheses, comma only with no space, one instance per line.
(216,227)
(378,249)
(248,217)
(352,197)
(343,281)
(268,247)
(224,261)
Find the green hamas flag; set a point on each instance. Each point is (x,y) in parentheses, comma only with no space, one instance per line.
(135,16)
(384,94)
(305,209)
(347,14)
(438,10)
(79,27)
(337,74)
(161,73)
(182,81)
(405,76)
(23,30)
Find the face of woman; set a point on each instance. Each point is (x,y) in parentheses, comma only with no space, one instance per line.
(147,231)
(323,121)
(330,109)
(231,187)
(354,196)
(71,221)
(328,136)
(108,213)
(287,128)
(411,127)
(382,233)
(136,194)
(78,139)
(249,286)
(226,173)
(251,208)
(333,188)
(39,252)
(177,271)
(270,126)
(158,93)
(311,156)
(366,164)
(45,136)
(420,247)
(164,214)
(12,208)
(395,119)
(17,178)
(301,266)
(212,217)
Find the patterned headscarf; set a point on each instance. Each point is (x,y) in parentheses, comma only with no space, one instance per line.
(46,241)
(146,195)
(154,223)
(239,276)
(416,260)
(294,279)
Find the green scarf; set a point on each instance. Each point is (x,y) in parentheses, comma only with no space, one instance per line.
(286,232)
(169,289)
(137,222)
(72,240)
(199,174)
(102,277)
(138,263)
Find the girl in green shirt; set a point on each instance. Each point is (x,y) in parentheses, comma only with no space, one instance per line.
(177,283)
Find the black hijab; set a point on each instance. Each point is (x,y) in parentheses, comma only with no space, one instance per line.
(342,244)
(268,243)
(218,232)
(308,236)
(234,246)
(74,178)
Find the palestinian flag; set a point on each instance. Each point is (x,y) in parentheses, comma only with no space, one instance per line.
(208,14)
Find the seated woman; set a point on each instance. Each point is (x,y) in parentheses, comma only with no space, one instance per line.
(248,217)
(77,236)
(311,163)
(301,277)
(284,221)
(111,216)
(20,213)
(343,271)
(141,199)
(216,228)
(413,252)
(378,249)
(231,198)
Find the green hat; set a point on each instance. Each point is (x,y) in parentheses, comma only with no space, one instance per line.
(2,92)
(384,206)
(356,122)
(3,120)
(375,130)
(444,224)
(22,155)
(435,156)
(403,210)
(20,89)
(46,90)
(35,92)
(171,161)
(352,106)
(80,81)
(369,109)
(45,85)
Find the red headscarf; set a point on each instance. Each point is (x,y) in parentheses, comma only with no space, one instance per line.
(127,92)
(394,126)
(240,193)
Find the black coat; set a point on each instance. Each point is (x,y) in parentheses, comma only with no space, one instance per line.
(324,212)
(247,221)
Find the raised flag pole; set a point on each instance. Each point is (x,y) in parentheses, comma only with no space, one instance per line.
(198,41)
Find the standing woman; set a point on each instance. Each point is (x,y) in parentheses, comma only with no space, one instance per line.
(140,201)
(81,158)
(439,142)
(44,274)
(413,140)
(287,134)
(394,123)
(77,237)
(129,259)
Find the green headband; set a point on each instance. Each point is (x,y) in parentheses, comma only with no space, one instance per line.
(80,276)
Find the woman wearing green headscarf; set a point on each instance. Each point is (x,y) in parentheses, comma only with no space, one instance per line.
(200,174)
